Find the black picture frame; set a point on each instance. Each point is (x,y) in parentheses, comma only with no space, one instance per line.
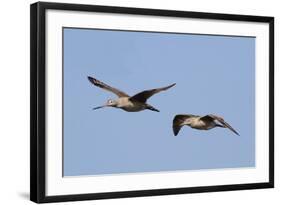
(38,101)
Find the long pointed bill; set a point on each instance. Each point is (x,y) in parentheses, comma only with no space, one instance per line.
(103,106)
(231,128)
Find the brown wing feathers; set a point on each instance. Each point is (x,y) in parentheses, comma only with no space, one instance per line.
(178,123)
(144,95)
(104,86)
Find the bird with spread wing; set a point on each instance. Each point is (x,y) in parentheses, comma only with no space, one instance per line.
(128,103)
(206,122)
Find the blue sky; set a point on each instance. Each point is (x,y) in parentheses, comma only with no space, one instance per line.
(214,75)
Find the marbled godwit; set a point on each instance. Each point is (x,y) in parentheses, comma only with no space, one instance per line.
(128,103)
(199,122)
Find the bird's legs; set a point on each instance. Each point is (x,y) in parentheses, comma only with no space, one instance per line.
(149,107)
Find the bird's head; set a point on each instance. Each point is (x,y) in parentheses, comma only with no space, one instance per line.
(109,103)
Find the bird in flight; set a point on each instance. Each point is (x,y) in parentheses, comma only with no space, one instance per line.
(206,122)
(128,103)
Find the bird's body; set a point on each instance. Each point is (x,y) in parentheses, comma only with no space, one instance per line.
(199,124)
(130,106)
(128,103)
(206,122)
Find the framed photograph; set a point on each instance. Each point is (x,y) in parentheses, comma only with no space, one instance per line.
(129,102)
